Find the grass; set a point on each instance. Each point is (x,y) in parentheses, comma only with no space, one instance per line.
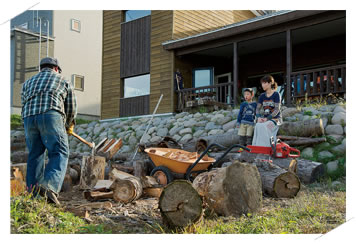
(15,121)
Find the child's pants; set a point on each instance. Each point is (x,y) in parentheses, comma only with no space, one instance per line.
(246,130)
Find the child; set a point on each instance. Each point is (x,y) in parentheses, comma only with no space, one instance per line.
(246,118)
(268,121)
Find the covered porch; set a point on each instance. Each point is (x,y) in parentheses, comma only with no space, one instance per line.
(305,51)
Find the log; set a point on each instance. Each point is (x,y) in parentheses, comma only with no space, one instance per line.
(301,141)
(127,169)
(98,194)
(92,170)
(308,171)
(139,168)
(231,191)
(180,204)
(152,192)
(277,182)
(127,190)
(313,127)
(67,185)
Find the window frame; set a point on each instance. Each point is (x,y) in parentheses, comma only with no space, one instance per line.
(124,82)
(72,21)
(211,69)
(73,82)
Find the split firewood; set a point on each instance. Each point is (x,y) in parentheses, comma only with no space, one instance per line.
(17,182)
(180,204)
(103,184)
(118,174)
(313,127)
(231,191)
(127,169)
(308,171)
(149,181)
(139,168)
(98,195)
(277,182)
(152,191)
(92,170)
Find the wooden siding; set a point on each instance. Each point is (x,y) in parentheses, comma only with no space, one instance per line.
(161,61)
(134,106)
(135,47)
(110,96)
(191,22)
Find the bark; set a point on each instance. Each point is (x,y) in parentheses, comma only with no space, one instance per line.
(126,169)
(277,182)
(152,192)
(126,190)
(301,141)
(305,128)
(92,170)
(109,149)
(231,191)
(67,185)
(180,204)
(308,171)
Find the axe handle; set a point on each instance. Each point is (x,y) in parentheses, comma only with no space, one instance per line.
(82,140)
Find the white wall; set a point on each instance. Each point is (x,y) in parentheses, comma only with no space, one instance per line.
(81,54)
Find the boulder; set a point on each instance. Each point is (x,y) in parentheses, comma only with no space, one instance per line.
(339,148)
(332,166)
(324,155)
(198,133)
(210,126)
(339,109)
(334,129)
(307,152)
(185,131)
(224,120)
(289,112)
(216,117)
(215,132)
(151,130)
(186,138)
(162,132)
(175,130)
(229,125)
(176,137)
(197,115)
(339,118)
(335,138)
(189,123)
(155,139)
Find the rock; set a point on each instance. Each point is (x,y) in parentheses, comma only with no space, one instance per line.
(307,152)
(345,129)
(339,118)
(233,130)
(155,139)
(215,132)
(339,109)
(190,123)
(289,112)
(176,137)
(335,138)
(181,115)
(335,129)
(344,142)
(175,130)
(324,155)
(325,122)
(125,149)
(210,126)
(145,138)
(336,183)
(306,117)
(332,166)
(156,121)
(19,133)
(229,125)
(97,129)
(226,164)
(216,117)
(197,115)
(185,131)
(310,109)
(339,149)
(198,133)
(186,138)
(151,130)
(162,132)
(326,108)
(224,120)
(201,123)
(132,140)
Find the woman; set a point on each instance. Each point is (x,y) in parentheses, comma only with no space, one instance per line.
(270,118)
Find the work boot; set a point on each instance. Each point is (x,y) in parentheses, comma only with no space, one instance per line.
(248,140)
(242,140)
(49,195)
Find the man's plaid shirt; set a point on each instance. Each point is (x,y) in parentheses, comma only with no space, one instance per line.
(48,90)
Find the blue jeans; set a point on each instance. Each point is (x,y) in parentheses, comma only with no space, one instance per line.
(46,131)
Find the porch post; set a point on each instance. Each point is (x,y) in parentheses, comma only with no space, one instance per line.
(289,66)
(236,73)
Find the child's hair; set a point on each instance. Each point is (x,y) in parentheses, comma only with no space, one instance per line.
(250,90)
(269,79)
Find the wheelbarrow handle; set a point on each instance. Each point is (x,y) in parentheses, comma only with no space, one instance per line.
(190,168)
(218,162)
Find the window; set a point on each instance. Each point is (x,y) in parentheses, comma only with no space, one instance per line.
(78,82)
(137,86)
(75,25)
(203,77)
(136,14)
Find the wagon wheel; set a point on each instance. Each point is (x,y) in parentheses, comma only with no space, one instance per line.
(162,174)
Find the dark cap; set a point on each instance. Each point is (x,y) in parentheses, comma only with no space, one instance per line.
(49,60)
(249,90)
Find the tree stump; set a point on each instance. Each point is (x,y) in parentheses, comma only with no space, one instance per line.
(277,182)
(308,171)
(92,170)
(180,204)
(231,191)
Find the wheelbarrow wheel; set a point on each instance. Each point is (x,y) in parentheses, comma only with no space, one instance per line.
(162,174)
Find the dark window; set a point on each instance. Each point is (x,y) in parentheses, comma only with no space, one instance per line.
(136,14)
(203,77)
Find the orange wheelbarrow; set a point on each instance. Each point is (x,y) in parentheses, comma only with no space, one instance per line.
(170,163)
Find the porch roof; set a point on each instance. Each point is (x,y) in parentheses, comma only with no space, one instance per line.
(249,25)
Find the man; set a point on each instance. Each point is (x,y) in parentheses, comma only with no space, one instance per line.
(48,110)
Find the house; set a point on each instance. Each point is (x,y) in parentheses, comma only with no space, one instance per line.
(75,38)
(137,68)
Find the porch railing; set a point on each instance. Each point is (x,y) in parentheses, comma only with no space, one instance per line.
(318,82)
(220,94)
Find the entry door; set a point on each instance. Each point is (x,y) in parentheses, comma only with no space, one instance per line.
(223,93)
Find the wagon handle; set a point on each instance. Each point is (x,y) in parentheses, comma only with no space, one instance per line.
(190,168)
(218,163)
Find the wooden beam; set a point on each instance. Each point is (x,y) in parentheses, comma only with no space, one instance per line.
(289,66)
(236,72)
